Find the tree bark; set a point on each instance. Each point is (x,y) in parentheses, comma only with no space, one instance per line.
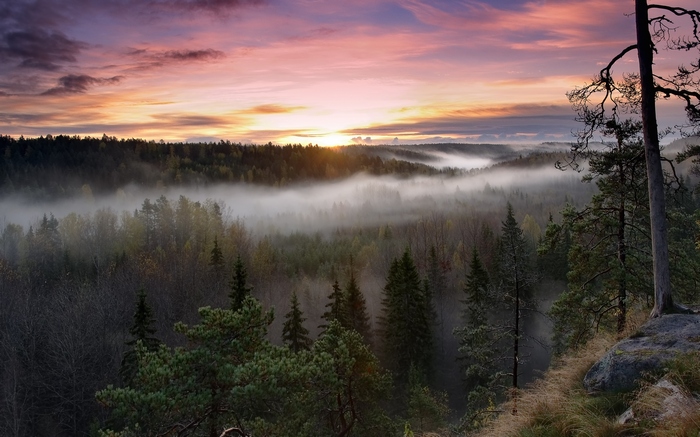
(622,249)
(657,205)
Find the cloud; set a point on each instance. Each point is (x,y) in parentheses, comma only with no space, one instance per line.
(360,140)
(79,83)
(39,49)
(532,25)
(511,123)
(192,55)
(215,6)
(149,60)
(271,109)
(191,120)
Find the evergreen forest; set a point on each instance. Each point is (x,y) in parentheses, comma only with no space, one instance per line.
(220,289)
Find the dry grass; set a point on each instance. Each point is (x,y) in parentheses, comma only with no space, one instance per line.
(671,410)
(550,400)
(558,406)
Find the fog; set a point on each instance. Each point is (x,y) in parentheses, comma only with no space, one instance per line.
(360,200)
(462,156)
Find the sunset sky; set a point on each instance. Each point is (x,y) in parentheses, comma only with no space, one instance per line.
(325,72)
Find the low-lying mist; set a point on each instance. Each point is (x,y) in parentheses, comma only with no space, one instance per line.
(360,200)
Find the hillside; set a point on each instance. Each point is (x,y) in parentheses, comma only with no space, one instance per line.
(558,405)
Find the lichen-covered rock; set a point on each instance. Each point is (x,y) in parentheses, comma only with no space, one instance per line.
(646,351)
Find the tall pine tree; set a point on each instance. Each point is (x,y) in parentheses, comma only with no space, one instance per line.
(142,335)
(517,276)
(356,309)
(294,334)
(239,287)
(337,308)
(406,328)
(216,257)
(478,342)
(609,253)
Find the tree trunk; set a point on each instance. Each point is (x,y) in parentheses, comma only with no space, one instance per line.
(622,251)
(657,207)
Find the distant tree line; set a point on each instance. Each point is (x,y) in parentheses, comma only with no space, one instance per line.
(65,165)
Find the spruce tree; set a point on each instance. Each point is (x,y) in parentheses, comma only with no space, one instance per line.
(216,258)
(239,288)
(405,325)
(516,276)
(356,309)
(142,332)
(294,334)
(477,344)
(337,308)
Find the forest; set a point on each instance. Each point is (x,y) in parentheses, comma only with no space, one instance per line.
(220,289)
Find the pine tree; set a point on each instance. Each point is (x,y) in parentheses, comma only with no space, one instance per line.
(609,253)
(239,288)
(553,251)
(142,332)
(356,309)
(348,395)
(477,345)
(213,384)
(405,324)
(216,259)
(337,307)
(516,278)
(294,335)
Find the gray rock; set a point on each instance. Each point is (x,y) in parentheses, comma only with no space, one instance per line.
(655,343)
(667,401)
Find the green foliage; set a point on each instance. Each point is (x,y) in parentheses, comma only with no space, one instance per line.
(427,409)
(609,253)
(356,309)
(478,342)
(337,307)
(516,279)
(553,250)
(216,258)
(344,395)
(294,334)
(141,338)
(238,284)
(229,376)
(406,322)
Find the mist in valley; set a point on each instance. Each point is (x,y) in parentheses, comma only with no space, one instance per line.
(359,200)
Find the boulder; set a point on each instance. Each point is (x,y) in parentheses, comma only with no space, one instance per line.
(646,351)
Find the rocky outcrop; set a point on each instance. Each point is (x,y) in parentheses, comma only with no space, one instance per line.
(646,351)
(661,402)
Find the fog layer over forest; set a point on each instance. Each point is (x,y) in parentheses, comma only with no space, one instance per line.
(359,200)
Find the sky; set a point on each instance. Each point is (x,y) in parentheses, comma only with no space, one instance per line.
(324,72)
